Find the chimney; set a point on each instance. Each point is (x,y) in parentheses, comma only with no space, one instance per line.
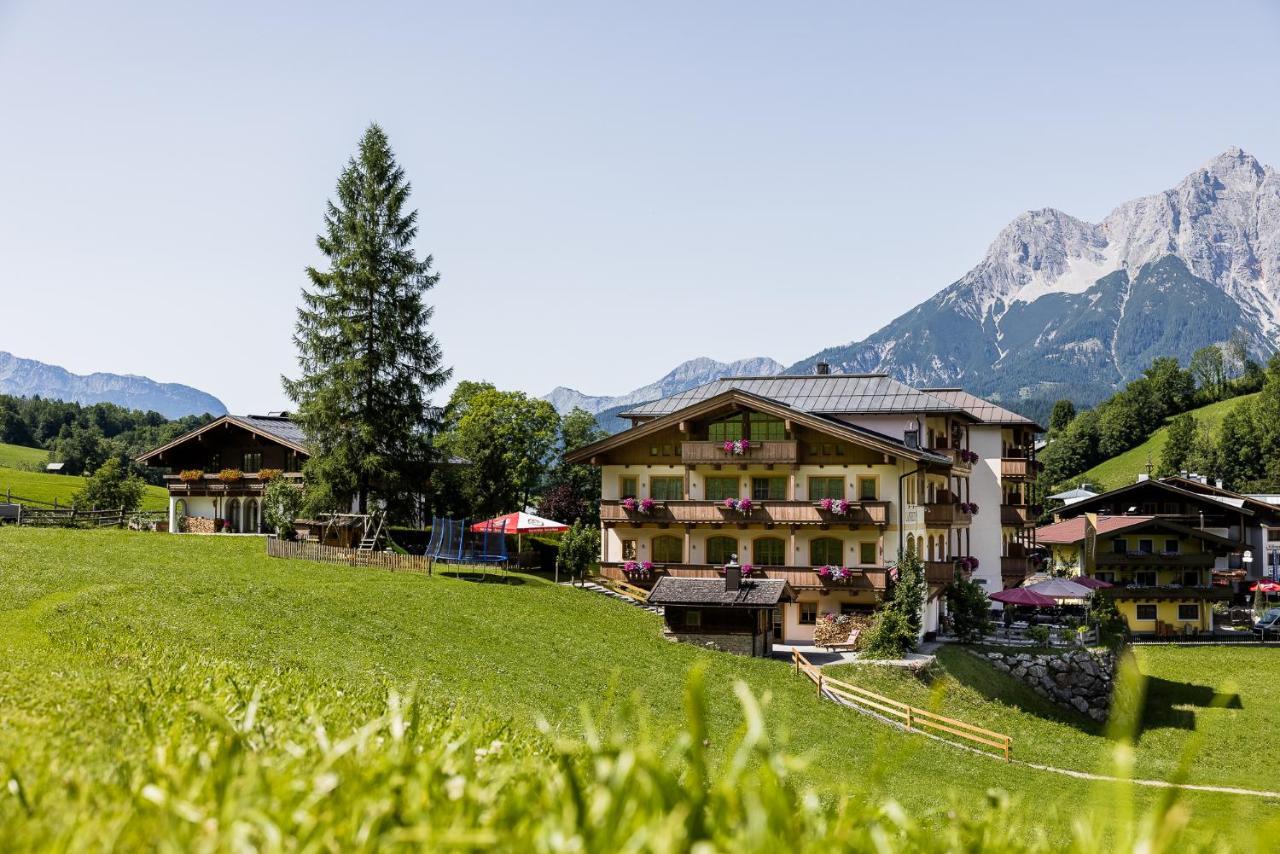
(822,368)
(732,578)
(1218,483)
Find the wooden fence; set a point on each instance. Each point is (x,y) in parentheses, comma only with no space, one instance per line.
(912,717)
(71,518)
(302,550)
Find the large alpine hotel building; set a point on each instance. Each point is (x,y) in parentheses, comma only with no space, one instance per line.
(823,481)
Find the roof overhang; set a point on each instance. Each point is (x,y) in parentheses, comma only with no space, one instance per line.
(1076,508)
(225,420)
(848,432)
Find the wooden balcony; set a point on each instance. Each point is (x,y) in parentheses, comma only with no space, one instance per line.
(939,572)
(212,485)
(1168,593)
(762,513)
(946,515)
(960,466)
(1014,570)
(772,452)
(871,578)
(1018,468)
(1157,560)
(1016,516)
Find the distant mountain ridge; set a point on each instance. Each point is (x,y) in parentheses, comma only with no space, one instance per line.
(1060,307)
(29,378)
(687,375)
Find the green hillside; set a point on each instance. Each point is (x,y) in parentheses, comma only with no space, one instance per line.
(190,693)
(40,487)
(17,456)
(1124,468)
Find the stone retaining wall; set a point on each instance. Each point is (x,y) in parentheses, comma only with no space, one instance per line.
(738,644)
(1081,680)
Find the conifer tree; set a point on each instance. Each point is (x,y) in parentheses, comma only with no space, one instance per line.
(368,362)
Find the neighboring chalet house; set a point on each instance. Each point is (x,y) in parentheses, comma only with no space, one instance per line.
(822,481)
(204,493)
(1161,570)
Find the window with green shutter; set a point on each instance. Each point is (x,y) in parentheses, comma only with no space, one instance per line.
(826,551)
(667,550)
(720,549)
(769,551)
(768,488)
(720,488)
(666,488)
(725,429)
(766,428)
(826,487)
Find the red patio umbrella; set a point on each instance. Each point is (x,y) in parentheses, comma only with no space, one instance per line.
(1091,582)
(1266,587)
(1023,596)
(522,523)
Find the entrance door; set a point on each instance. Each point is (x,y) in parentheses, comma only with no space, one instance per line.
(233,514)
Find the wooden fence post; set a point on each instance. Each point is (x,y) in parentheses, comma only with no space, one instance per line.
(908,719)
(819,684)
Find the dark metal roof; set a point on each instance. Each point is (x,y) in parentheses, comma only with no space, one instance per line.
(983,410)
(280,427)
(823,394)
(711,593)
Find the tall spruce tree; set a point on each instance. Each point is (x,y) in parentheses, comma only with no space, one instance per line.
(368,364)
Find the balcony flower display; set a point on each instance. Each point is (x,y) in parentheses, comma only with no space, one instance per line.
(736,447)
(747,569)
(966,564)
(190,475)
(834,573)
(742,505)
(628,504)
(969,507)
(633,570)
(268,475)
(840,507)
(646,505)
(231,475)
(967,456)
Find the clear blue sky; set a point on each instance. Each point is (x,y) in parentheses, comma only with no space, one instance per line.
(607,189)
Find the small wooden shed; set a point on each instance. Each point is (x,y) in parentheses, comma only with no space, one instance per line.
(733,614)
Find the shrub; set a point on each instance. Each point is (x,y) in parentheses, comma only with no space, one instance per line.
(111,487)
(1038,635)
(280,504)
(969,609)
(579,548)
(890,635)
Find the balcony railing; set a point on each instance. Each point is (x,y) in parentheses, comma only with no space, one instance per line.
(1018,467)
(872,578)
(1017,515)
(762,512)
(1192,561)
(211,484)
(1014,570)
(939,572)
(956,455)
(946,515)
(769,452)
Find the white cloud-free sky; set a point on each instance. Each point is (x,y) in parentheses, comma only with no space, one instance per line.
(607,188)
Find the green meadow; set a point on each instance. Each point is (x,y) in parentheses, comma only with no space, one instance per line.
(188,692)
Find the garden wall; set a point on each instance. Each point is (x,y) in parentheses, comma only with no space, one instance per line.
(1081,680)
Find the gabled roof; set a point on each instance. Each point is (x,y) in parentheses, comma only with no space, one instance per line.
(983,410)
(822,394)
(1234,498)
(1085,504)
(839,429)
(711,592)
(1073,530)
(275,428)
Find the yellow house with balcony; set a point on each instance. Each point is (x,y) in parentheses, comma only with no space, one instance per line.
(1161,571)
